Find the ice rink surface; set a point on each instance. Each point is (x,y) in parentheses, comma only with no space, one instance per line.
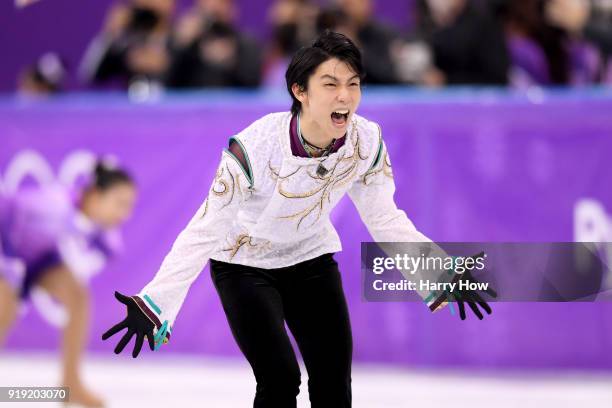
(195,381)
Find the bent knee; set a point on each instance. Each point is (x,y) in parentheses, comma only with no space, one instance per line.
(77,296)
(285,380)
(9,302)
(73,296)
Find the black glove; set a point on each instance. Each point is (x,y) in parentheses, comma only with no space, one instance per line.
(137,324)
(469,296)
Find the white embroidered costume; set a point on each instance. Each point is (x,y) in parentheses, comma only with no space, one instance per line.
(275,213)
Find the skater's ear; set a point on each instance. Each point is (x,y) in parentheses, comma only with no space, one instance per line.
(299,92)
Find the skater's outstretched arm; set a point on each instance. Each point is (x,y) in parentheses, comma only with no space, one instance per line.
(161,299)
(373,194)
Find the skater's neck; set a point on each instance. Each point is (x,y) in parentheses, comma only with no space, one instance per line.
(313,132)
(297,148)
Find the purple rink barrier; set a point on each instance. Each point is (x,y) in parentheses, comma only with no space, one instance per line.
(469,166)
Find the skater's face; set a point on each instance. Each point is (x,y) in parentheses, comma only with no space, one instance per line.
(331,97)
(112,206)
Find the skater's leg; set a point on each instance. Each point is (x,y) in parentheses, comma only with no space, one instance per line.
(9,303)
(254,311)
(63,286)
(317,314)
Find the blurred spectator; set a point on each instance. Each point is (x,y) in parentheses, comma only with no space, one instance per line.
(209,51)
(43,78)
(133,44)
(466,42)
(594,22)
(24,3)
(542,53)
(375,39)
(589,20)
(293,26)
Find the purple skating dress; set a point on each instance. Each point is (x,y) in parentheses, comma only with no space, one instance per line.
(41,228)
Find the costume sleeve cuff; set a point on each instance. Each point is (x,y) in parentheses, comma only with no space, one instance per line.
(154,313)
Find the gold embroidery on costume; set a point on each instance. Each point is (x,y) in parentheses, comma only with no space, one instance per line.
(232,189)
(205,207)
(385,168)
(222,187)
(227,188)
(223,183)
(237,183)
(243,239)
(276,173)
(340,174)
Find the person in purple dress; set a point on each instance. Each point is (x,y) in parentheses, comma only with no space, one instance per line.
(54,242)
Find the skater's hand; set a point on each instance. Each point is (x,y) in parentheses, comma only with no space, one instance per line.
(473,297)
(137,324)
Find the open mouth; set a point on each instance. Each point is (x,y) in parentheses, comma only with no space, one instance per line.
(340,117)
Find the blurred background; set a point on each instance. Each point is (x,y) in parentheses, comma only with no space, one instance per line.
(498,119)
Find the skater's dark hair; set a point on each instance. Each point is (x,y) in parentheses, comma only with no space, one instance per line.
(327,46)
(107,176)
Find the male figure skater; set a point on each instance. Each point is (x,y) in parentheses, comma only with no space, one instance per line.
(265,228)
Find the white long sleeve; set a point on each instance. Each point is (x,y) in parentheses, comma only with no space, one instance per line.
(372,194)
(165,294)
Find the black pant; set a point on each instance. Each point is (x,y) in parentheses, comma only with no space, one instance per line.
(309,298)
